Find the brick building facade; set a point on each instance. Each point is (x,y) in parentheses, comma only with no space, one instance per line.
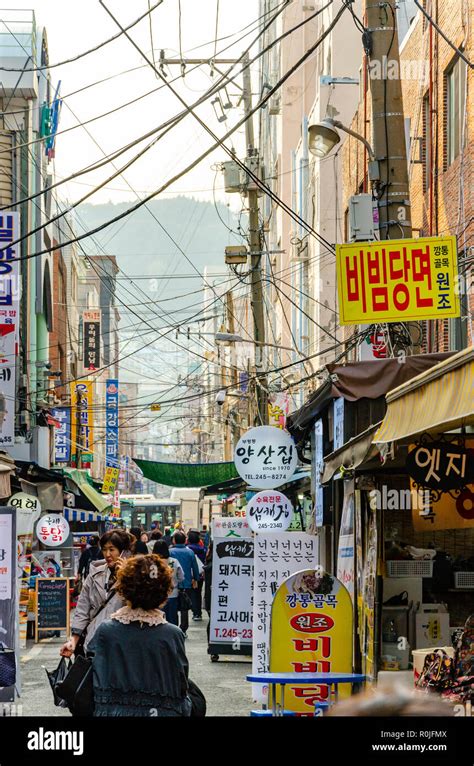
(439,114)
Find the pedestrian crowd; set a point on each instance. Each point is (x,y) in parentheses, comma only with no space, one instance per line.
(132,618)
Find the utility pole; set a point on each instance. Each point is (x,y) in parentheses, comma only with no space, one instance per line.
(389,125)
(255,253)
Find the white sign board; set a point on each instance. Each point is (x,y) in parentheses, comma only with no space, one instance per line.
(232,581)
(28,510)
(345,571)
(269,511)
(265,457)
(52,530)
(277,557)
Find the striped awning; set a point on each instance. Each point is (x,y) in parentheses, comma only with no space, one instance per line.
(440,399)
(71,515)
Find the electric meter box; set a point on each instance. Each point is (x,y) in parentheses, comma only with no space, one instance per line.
(361,218)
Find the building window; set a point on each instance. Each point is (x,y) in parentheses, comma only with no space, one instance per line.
(456,107)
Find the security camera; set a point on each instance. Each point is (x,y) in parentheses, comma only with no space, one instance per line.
(220,398)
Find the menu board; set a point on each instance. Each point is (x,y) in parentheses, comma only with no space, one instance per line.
(52,599)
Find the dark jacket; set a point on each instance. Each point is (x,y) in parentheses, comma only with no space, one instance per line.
(90,554)
(207,586)
(198,550)
(139,670)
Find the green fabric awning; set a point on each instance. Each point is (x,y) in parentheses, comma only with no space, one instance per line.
(85,484)
(187,474)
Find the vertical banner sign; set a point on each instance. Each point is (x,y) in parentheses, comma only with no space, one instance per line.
(91,324)
(345,554)
(82,429)
(311,632)
(276,558)
(232,581)
(62,435)
(397,280)
(9,323)
(112,423)
(316,465)
(8,600)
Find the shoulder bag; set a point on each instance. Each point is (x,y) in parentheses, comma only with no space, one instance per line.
(77,688)
(7,666)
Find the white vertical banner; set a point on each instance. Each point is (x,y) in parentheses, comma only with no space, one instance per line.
(345,553)
(9,323)
(232,579)
(277,557)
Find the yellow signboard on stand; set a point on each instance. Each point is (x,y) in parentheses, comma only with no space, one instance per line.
(311,632)
(397,280)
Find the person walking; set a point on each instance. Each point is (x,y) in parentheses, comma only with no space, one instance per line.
(188,561)
(167,536)
(171,607)
(139,660)
(90,554)
(195,544)
(139,546)
(99,590)
(157,534)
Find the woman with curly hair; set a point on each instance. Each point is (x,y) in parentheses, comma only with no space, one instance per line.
(139,662)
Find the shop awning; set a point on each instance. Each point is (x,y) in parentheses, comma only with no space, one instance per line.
(187,474)
(84,483)
(358,380)
(356,452)
(72,515)
(440,399)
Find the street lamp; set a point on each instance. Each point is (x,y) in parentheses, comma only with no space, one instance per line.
(323,136)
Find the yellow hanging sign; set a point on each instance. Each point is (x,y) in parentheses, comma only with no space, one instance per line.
(397,280)
(311,632)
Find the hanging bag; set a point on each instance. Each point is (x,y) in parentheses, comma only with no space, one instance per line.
(77,688)
(7,666)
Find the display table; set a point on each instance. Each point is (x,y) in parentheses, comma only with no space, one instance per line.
(301,679)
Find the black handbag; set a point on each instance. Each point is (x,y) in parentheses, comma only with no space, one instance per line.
(7,666)
(55,677)
(198,700)
(77,688)
(184,602)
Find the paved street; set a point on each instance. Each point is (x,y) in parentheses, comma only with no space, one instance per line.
(223,683)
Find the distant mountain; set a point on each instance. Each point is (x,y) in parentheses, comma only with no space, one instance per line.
(143,247)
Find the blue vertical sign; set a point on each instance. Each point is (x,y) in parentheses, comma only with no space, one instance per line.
(112,423)
(62,435)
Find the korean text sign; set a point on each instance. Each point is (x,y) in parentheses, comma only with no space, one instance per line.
(276,558)
(9,322)
(62,435)
(232,582)
(82,397)
(311,632)
(397,280)
(265,457)
(91,321)
(269,511)
(112,423)
(52,530)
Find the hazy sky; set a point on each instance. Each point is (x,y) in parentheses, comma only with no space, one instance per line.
(74,27)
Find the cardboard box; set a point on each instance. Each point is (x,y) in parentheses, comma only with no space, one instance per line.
(432,626)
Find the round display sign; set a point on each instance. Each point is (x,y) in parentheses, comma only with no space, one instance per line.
(269,511)
(265,457)
(52,530)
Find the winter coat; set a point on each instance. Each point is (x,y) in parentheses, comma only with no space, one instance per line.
(93,595)
(198,550)
(139,670)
